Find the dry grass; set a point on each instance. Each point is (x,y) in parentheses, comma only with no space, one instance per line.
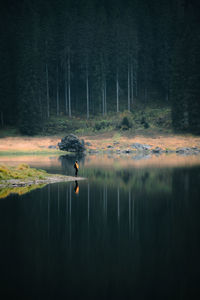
(165,142)
(25,144)
(41,144)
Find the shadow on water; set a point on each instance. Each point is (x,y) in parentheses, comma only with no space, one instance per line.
(123,234)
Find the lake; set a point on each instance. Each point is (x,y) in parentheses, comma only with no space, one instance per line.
(130,231)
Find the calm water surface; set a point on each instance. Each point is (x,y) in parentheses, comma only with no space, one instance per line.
(125,233)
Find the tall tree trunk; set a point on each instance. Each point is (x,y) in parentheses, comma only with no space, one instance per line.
(135,77)
(105,96)
(132,91)
(47,85)
(57,92)
(66,91)
(103,106)
(117,90)
(136,84)
(128,87)
(40,100)
(87,92)
(69,83)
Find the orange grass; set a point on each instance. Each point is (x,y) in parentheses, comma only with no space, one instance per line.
(98,142)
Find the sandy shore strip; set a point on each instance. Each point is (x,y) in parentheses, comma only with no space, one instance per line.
(49,179)
(100,142)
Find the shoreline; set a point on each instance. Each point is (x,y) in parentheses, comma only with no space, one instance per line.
(12,183)
(104,142)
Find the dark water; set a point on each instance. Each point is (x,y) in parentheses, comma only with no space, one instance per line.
(127,234)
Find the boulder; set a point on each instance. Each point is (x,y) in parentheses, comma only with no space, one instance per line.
(141,147)
(71,143)
(52,147)
(93,151)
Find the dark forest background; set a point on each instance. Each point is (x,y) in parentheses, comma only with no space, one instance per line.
(89,57)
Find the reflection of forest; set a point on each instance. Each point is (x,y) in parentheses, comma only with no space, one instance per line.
(153,237)
(140,160)
(122,173)
(146,180)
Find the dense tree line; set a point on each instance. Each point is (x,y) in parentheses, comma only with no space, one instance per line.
(89,56)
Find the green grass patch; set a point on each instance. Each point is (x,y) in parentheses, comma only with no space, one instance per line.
(23,171)
(37,152)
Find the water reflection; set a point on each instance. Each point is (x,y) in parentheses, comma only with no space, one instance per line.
(88,203)
(128,234)
(76,188)
(67,162)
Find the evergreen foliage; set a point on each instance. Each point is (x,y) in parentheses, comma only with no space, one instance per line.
(89,56)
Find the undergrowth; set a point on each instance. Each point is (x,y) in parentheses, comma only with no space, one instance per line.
(139,119)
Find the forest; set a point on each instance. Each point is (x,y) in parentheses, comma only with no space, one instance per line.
(92,57)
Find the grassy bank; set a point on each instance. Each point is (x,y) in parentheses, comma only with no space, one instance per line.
(23,179)
(22,171)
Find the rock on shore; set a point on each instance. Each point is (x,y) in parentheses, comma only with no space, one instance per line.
(71,143)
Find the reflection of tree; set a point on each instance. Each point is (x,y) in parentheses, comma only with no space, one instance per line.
(67,162)
(125,175)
